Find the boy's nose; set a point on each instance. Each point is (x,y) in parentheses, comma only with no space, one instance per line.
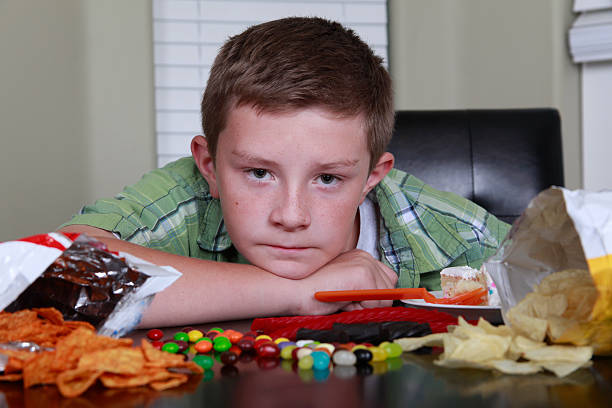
(290,212)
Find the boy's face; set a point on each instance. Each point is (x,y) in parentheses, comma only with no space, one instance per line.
(290,185)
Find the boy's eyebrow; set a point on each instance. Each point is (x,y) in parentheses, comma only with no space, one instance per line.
(270,163)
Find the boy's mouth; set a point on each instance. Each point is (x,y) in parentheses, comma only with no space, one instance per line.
(287,248)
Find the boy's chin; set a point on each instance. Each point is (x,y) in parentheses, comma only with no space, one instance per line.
(290,270)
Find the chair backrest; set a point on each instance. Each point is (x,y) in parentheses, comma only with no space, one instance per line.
(500,159)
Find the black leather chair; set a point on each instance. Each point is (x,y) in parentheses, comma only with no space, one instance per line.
(500,159)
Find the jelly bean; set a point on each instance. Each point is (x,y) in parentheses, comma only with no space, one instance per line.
(182,336)
(263,336)
(281,340)
(233,335)
(284,344)
(229,371)
(182,345)
(363,355)
(194,335)
(323,350)
(344,358)
(246,344)
(217,329)
(313,345)
(262,341)
(302,352)
(157,344)
(236,350)
(306,362)
(203,346)
(359,347)
(229,357)
(344,371)
(170,347)
(268,349)
(328,346)
(320,360)
(302,343)
(294,353)
(221,344)
(204,361)
(155,334)
(378,354)
(286,352)
(392,349)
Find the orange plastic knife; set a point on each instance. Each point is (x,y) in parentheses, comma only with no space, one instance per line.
(468,298)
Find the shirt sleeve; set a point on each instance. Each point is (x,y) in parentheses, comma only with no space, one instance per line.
(156,212)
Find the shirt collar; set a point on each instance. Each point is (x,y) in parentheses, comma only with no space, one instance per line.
(213,235)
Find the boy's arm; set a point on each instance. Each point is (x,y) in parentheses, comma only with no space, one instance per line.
(215,291)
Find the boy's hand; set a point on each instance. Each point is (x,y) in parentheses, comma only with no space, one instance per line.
(351,270)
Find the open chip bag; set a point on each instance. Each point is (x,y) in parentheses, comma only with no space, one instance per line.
(554,270)
(77,275)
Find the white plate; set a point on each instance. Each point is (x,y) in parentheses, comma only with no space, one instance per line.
(490,313)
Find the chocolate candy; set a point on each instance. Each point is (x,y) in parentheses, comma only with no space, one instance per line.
(155,334)
(182,345)
(228,357)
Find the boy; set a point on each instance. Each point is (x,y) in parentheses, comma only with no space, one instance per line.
(283,197)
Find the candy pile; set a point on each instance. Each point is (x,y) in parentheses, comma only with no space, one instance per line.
(230,346)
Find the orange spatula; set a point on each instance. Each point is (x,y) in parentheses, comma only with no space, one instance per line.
(469,298)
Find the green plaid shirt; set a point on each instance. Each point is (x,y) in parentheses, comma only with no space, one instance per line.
(422,230)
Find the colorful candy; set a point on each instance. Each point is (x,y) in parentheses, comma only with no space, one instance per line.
(155,334)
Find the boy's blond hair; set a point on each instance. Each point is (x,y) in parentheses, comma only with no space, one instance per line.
(296,63)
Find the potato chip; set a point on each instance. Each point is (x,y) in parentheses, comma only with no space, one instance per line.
(111,380)
(38,370)
(72,383)
(571,354)
(120,360)
(70,349)
(514,367)
(51,314)
(498,330)
(174,381)
(557,326)
(158,358)
(561,369)
(415,343)
(530,327)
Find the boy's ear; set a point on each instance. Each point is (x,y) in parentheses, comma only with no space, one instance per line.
(205,163)
(380,170)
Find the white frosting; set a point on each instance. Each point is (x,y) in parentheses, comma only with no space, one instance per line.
(464,272)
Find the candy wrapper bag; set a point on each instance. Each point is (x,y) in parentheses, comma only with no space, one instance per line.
(561,230)
(77,275)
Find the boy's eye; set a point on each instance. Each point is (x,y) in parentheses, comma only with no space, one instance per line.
(259,173)
(327,178)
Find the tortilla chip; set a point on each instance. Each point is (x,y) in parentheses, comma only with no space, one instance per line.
(38,370)
(120,360)
(73,383)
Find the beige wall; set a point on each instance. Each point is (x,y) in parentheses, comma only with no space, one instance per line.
(76,106)
(448,54)
(76,88)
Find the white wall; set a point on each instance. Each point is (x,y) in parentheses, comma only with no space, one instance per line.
(76,106)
